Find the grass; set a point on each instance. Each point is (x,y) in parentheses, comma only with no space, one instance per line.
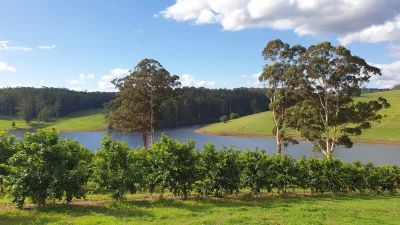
(88,120)
(267,209)
(261,124)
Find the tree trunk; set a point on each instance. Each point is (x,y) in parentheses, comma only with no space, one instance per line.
(144,134)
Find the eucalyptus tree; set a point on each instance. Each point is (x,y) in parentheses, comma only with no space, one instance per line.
(156,84)
(140,96)
(328,115)
(283,73)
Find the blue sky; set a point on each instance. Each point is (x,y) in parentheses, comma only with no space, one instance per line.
(82,45)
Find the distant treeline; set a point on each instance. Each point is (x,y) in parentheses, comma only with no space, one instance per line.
(193,105)
(201,105)
(30,102)
(372,90)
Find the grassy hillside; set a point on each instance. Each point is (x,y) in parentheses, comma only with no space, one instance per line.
(261,124)
(266,209)
(88,120)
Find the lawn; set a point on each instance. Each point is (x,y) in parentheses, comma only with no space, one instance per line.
(261,124)
(244,209)
(88,120)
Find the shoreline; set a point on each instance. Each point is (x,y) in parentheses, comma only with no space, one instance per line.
(360,141)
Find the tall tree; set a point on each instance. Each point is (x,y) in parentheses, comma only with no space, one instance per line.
(128,112)
(328,115)
(25,109)
(283,74)
(140,97)
(156,84)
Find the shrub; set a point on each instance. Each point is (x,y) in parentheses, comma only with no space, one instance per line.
(256,172)
(224,119)
(46,167)
(7,150)
(115,168)
(234,116)
(221,170)
(13,124)
(173,166)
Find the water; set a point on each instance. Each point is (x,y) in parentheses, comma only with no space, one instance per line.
(378,154)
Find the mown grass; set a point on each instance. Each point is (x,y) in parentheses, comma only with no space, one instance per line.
(261,124)
(88,120)
(245,209)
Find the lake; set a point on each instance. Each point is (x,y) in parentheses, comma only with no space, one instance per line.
(376,153)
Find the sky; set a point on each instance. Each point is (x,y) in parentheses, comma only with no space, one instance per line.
(83,45)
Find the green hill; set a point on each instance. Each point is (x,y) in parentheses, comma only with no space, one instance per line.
(88,120)
(388,131)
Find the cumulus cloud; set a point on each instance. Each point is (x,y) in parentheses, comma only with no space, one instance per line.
(390,75)
(190,81)
(5,67)
(49,47)
(352,20)
(82,79)
(105,83)
(252,80)
(4,46)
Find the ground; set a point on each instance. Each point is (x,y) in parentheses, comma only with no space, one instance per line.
(261,124)
(243,209)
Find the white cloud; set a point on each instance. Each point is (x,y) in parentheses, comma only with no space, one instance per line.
(4,46)
(118,72)
(388,31)
(5,67)
(156,15)
(190,81)
(390,75)
(139,30)
(252,80)
(49,47)
(105,83)
(352,20)
(82,79)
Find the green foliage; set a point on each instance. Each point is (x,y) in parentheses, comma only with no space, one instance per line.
(7,150)
(255,105)
(328,114)
(115,168)
(140,97)
(46,167)
(220,170)
(234,116)
(13,124)
(224,118)
(172,165)
(283,74)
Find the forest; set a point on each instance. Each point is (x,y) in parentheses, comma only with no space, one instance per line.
(193,105)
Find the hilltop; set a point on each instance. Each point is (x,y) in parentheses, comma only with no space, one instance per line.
(261,124)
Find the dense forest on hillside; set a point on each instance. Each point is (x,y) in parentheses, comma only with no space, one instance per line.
(200,105)
(47,102)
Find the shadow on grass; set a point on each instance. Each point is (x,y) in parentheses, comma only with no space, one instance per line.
(198,204)
(25,219)
(118,210)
